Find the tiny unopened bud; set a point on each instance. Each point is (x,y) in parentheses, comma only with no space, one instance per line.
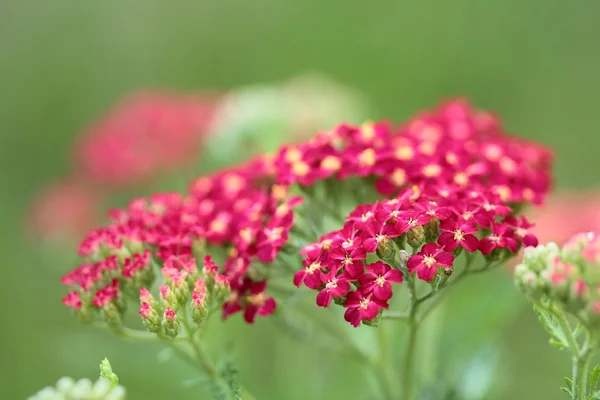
(221,290)
(112,316)
(386,250)
(432,230)
(107,373)
(593,312)
(416,236)
(146,296)
(167,297)
(579,295)
(170,323)
(150,317)
(403,257)
(181,288)
(448,271)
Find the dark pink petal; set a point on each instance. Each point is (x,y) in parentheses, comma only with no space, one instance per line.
(324,298)
(353,299)
(343,287)
(299,277)
(378,268)
(370,245)
(268,308)
(383,292)
(354,269)
(486,246)
(471,243)
(370,312)
(250,313)
(530,240)
(448,225)
(446,239)
(425,273)
(512,244)
(352,315)
(430,248)
(394,276)
(414,262)
(445,259)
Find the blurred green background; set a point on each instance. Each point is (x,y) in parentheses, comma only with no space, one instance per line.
(62,63)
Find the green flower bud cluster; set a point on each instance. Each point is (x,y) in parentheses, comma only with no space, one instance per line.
(568,277)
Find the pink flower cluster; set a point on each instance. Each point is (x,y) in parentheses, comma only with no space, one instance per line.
(147,134)
(453,165)
(144,135)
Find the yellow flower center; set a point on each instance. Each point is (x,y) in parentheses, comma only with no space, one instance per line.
(429,261)
(380,280)
(364,303)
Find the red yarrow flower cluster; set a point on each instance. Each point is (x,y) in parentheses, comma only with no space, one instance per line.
(452,171)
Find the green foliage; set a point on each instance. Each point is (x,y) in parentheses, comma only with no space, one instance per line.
(550,324)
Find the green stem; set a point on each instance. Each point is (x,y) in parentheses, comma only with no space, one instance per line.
(408,363)
(580,355)
(414,322)
(408,378)
(386,377)
(580,374)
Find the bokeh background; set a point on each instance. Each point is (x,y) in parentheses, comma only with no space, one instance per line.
(63,63)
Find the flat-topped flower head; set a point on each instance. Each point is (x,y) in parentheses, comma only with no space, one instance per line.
(443,171)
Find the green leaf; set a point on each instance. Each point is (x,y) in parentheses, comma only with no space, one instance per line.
(595,377)
(594,396)
(551,326)
(569,383)
(567,391)
(229,373)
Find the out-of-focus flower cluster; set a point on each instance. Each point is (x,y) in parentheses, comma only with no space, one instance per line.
(448,180)
(84,389)
(568,276)
(145,135)
(565,214)
(151,135)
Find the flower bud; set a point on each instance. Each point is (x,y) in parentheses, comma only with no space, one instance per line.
(432,230)
(107,373)
(168,298)
(221,290)
(579,295)
(170,323)
(415,237)
(112,316)
(181,289)
(593,312)
(386,250)
(199,306)
(150,317)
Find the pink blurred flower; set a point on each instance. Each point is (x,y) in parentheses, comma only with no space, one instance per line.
(145,134)
(63,210)
(565,214)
